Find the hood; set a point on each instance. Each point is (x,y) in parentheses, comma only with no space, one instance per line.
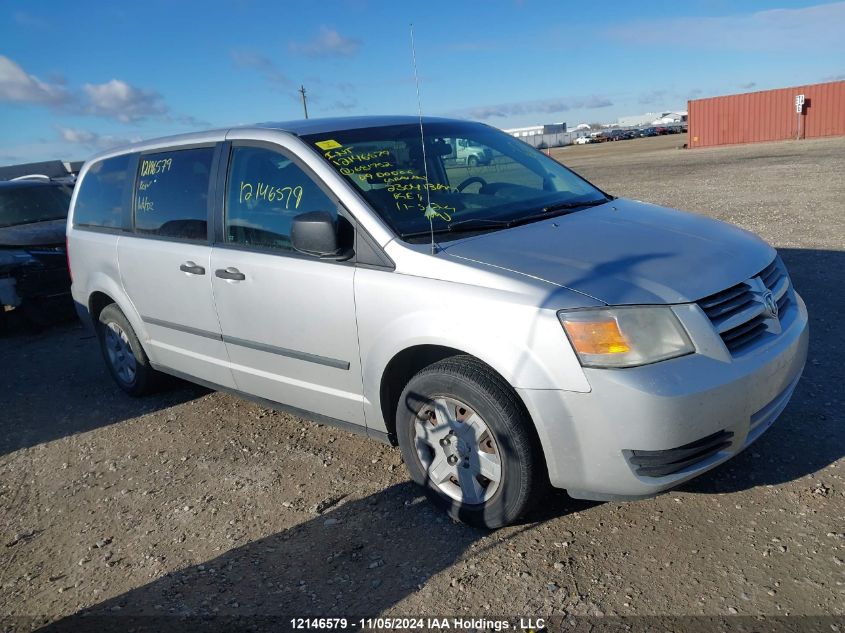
(625,252)
(49,233)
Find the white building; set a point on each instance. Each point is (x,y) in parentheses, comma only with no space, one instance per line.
(537,130)
(542,136)
(670,117)
(652,118)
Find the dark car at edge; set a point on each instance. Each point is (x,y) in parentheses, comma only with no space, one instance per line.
(34,277)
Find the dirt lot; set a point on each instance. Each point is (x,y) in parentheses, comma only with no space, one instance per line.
(197,503)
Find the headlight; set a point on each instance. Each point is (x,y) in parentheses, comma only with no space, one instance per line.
(625,336)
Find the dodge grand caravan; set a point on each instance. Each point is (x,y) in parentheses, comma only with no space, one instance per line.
(508,325)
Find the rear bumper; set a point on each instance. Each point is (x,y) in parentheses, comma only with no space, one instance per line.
(644,430)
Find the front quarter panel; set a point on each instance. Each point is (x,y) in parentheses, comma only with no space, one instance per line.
(516,333)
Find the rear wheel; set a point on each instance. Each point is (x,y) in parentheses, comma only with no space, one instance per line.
(124,356)
(472,161)
(466,438)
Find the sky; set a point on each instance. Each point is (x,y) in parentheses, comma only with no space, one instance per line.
(79,77)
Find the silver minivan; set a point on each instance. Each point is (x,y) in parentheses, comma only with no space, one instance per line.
(506,323)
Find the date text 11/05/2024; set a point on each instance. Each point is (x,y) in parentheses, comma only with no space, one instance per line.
(419,624)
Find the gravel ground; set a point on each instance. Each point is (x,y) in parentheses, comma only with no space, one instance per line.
(197,503)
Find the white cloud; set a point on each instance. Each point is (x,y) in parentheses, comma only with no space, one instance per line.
(118,100)
(115,99)
(543,106)
(91,139)
(17,85)
(655,96)
(262,64)
(817,27)
(27,19)
(327,43)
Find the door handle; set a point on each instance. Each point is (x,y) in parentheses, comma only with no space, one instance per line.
(230,273)
(192,269)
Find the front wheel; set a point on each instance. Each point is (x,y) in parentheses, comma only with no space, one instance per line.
(466,438)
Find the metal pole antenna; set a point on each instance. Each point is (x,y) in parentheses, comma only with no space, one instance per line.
(304,103)
(429,212)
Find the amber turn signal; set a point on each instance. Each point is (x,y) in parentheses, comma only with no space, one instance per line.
(597,337)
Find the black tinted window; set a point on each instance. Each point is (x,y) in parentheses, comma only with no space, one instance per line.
(101,194)
(24,204)
(171,198)
(265,192)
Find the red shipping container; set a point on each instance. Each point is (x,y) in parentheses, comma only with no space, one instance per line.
(769,115)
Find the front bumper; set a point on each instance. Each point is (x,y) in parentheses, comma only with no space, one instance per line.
(590,440)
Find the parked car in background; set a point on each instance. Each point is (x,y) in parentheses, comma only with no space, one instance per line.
(623,135)
(582,140)
(34,277)
(467,152)
(648,131)
(507,328)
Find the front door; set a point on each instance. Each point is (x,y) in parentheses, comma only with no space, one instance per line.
(288,320)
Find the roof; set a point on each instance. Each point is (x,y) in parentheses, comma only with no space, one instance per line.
(333,124)
(32,184)
(299,127)
(52,168)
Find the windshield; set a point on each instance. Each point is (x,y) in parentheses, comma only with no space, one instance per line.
(479,178)
(24,205)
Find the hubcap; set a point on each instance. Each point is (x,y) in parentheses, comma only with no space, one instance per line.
(457,450)
(120,353)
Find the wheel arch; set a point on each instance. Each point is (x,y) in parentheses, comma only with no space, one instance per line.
(407,363)
(97,301)
(398,372)
(410,361)
(103,291)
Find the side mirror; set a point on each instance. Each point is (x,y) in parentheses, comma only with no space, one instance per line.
(315,233)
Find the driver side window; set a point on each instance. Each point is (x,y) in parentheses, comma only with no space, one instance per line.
(265,190)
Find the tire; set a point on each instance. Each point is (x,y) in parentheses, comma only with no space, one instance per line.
(125,358)
(454,395)
(472,161)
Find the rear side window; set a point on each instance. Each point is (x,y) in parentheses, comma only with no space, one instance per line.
(101,194)
(265,191)
(171,197)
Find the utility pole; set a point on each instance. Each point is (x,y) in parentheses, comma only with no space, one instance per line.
(304,103)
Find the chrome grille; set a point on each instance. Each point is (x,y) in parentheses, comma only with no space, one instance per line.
(741,314)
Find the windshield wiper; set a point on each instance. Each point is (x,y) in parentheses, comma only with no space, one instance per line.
(480,224)
(572,205)
(483,224)
(555,210)
(464,226)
